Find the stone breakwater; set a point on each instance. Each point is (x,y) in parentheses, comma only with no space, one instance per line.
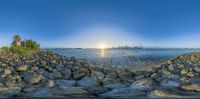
(47,74)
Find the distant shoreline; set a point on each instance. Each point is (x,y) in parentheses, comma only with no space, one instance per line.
(134,48)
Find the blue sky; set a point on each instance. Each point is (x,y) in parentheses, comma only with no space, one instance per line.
(90,23)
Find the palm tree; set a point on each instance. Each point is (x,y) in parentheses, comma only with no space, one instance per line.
(16,40)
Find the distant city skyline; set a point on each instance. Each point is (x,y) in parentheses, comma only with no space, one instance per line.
(102,23)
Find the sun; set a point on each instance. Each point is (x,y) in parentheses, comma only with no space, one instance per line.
(102,46)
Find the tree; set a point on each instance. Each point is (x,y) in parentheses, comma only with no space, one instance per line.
(16,40)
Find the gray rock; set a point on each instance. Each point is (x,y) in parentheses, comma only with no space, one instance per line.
(64,90)
(65,82)
(7,71)
(22,68)
(79,74)
(49,84)
(34,68)
(115,86)
(10,81)
(29,89)
(124,93)
(32,78)
(41,92)
(143,84)
(12,91)
(88,82)
(55,75)
(169,83)
(99,75)
(66,73)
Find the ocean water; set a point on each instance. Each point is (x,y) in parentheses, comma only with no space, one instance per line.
(122,57)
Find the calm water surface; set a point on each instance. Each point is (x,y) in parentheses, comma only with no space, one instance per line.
(123,57)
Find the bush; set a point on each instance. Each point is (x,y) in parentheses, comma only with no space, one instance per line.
(5,49)
(30,44)
(22,47)
(20,50)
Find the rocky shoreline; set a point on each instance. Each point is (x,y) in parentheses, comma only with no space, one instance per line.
(46,74)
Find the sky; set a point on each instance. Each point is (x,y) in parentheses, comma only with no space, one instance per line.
(96,23)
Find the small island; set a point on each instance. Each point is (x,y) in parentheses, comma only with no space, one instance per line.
(27,71)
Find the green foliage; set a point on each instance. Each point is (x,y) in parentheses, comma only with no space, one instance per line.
(5,49)
(30,44)
(16,40)
(22,47)
(20,50)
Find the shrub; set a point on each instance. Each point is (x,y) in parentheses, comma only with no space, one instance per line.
(30,44)
(22,47)
(5,49)
(20,50)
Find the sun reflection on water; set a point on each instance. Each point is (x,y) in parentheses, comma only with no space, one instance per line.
(102,52)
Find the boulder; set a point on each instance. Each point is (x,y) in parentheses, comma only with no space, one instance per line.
(88,82)
(64,90)
(12,91)
(66,73)
(34,68)
(10,81)
(192,87)
(169,83)
(55,75)
(99,75)
(124,93)
(7,71)
(79,74)
(49,84)
(65,82)
(32,78)
(41,92)
(22,68)
(143,84)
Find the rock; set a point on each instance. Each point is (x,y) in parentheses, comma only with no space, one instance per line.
(171,68)
(34,68)
(192,87)
(88,82)
(125,75)
(99,75)
(124,93)
(169,83)
(139,77)
(32,78)
(12,91)
(163,94)
(55,75)
(10,81)
(78,74)
(49,84)
(190,74)
(169,62)
(43,62)
(143,84)
(194,80)
(22,68)
(183,72)
(66,73)
(65,82)
(7,71)
(41,92)
(64,90)
(115,86)
(29,89)
(197,69)
(184,79)
(108,81)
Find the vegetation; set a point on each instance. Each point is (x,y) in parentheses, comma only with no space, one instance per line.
(22,47)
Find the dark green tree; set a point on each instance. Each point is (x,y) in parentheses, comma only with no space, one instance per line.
(16,40)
